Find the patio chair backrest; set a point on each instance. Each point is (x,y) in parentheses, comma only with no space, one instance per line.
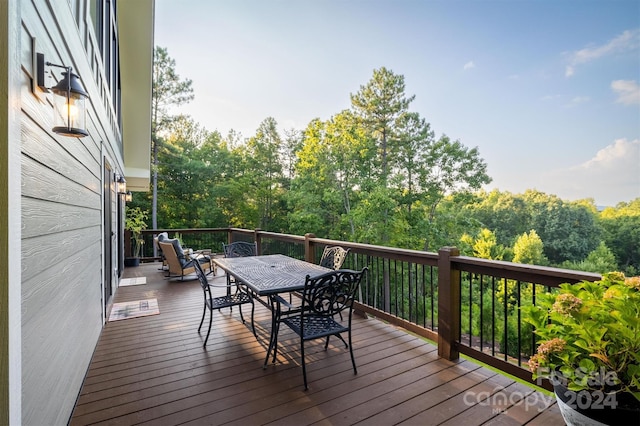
(240,249)
(330,293)
(202,278)
(333,257)
(169,251)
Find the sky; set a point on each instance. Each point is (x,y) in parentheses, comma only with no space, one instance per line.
(548,91)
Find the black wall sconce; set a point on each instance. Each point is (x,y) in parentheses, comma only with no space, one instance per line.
(122,185)
(128,197)
(70,111)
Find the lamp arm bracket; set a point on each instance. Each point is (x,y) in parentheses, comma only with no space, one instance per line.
(51,64)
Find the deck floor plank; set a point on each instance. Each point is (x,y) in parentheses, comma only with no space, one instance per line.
(154,370)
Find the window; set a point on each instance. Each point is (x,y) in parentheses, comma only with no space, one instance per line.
(103,16)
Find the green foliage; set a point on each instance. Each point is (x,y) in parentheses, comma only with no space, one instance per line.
(587,329)
(136,221)
(380,104)
(529,249)
(263,169)
(169,90)
(599,260)
(568,230)
(621,226)
(484,245)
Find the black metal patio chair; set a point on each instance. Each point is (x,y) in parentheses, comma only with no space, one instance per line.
(333,257)
(323,297)
(239,297)
(240,249)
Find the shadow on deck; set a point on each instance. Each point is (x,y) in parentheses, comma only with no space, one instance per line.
(154,370)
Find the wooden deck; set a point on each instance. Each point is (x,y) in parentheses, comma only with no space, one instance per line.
(153,370)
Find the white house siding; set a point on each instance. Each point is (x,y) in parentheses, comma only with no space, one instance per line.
(10,319)
(62,214)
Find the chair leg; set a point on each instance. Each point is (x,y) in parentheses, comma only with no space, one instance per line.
(304,365)
(204,311)
(275,342)
(341,338)
(253,308)
(241,316)
(272,343)
(353,360)
(229,290)
(209,331)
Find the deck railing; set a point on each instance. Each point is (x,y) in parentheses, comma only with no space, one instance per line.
(467,305)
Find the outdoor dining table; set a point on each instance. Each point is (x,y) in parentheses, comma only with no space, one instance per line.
(270,276)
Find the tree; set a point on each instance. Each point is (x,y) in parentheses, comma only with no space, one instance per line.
(380,103)
(484,245)
(290,147)
(183,188)
(264,167)
(414,141)
(168,91)
(332,168)
(569,230)
(529,249)
(503,212)
(600,260)
(451,168)
(621,225)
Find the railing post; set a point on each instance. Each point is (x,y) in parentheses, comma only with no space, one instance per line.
(309,248)
(448,304)
(257,237)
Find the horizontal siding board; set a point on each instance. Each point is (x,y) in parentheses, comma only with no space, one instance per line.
(60,277)
(69,158)
(61,325)
(46,184)
(42,217)
(47,251)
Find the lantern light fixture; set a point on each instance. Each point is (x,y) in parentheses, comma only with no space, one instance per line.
(69,107)
(122,185)
(128,197)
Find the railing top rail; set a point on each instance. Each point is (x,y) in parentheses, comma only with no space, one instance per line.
(283,237)
(408,255)
(519,271)
(240,230)
(184,230)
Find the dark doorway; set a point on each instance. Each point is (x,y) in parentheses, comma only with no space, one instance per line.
(109,189)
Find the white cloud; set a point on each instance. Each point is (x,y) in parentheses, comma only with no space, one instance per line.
(628,91)
(625,42)
(610,177)
(569,71)
(469,65)
(577,101)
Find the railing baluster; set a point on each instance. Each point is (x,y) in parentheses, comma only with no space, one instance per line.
(493,316)
(506,319)
(481,312)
